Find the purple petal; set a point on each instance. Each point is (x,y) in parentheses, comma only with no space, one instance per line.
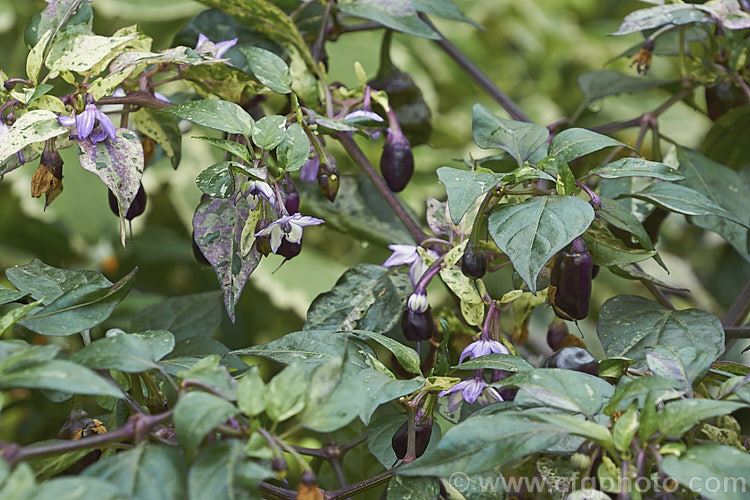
(306,220)
(402,254)
(361,113)
(98,135)
(85,121)
(222,47)
(66,121)
(309,171)
(201,39)
(118,92)
(162,97)
(107,125)
(473,390)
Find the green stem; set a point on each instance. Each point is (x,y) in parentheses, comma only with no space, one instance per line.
(86,336)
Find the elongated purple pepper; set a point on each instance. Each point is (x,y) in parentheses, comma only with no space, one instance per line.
(570,281)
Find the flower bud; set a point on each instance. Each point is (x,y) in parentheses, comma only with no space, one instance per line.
(47,179)
(573,358)
(328,181)
(473,263)
(570,281)
(397,162)
(291,198)
(278,464)
(400,440)
(418,325)
(418,302)
(580,461)
(137,207)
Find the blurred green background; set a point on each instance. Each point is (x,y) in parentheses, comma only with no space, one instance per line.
(533,50)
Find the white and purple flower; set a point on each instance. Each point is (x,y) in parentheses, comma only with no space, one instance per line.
(214,50)
(408,254)
(470,390)
(289,228)
(258,190)
(92,124)
(367,115)
(482,347)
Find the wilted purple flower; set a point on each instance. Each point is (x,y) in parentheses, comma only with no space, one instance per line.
(215,50)
(418,301)
(407,254)
(482,347)
(92,124)
(309,171)
(288,227)
(469,390)
(369,115)
(258,190)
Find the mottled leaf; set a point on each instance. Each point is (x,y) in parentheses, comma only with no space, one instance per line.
(34,126)
(269,131)
(162,128)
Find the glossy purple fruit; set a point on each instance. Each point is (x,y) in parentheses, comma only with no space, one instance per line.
(570,281)
(473,263)
(397,162)
(136,208)
(556,333)
(400,440)
(573,358)
(289,250)
(418,325)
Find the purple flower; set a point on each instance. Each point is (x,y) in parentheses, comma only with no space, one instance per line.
(309,171)
(418,302)
(470,390)
(92,124)
(215,50)
(258,190)
(288,227)
(482,347)
(408,254)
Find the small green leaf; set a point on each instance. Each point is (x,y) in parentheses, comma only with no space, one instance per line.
(269,69)
(406,356)
(74,488)
(247,237)
(222,471)
(678,417)
(59,375)
(566,181)
(163,129)
(196,414)
(294,150)
(14,315)
(123,352)
(705,465)
(217,114)
(495,361)
(519,139)
(233,147)
(9,295)
(636,167)
(412,488)
(685,364)
(625,428)
(184,316)
(533,231)
(463,187)
(269,131)
(250,393)
(399,16)
(573,143)
(286,393)
(608,250)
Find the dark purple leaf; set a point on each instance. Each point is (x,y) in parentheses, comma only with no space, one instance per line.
(218,227)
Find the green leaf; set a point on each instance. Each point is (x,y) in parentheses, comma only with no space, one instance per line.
(310,346)
(9,295)
(217,114)
(412,488)
(294,150)
(57,17)
(18,482)
(269,69)
(74,488)
(218,225)
(17,355)
(34,126)
(683,200)
(36,57)
(724,142)
(209,372)
(443,8)
(705,465)
(48,283)
(637,390)
(89,54)
(119,165)
(677,417)
(269,131)
(577,426)
(221,471)
(186,316)
(463,187)
(615,214)
(573,143)
(406,356)
(14,315)
(159,342)
(233,147)
(636,167)
(217,180)
(123,352)
(726,189)
(624,429)
(519,139)
(653,17)
(566,390)
(250,393)
(629,325)
(686,365)
(608,250)
(378,389)
(495,361)
(163,129)
(146,471)
(596,85)
(366,297)
(196,414)
(532,232)
(396,15)
(80,308)
(286,393)
(566,180)
(58,375)
(483,442)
